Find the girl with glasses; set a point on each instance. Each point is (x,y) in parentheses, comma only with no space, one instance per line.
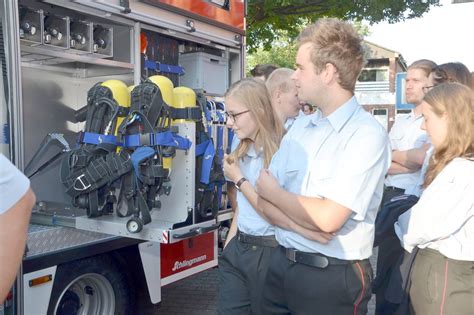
(250,239)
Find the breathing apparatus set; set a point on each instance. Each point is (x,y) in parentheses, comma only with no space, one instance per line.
(123,158)
(209,156)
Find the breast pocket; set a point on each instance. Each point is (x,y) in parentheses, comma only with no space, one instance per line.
(321,177)
(294,173)
(396,136)
(323,169)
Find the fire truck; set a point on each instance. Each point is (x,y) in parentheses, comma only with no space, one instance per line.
(82,257)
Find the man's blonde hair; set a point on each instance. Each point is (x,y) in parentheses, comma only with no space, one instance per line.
(280,79)
(338,43)
(424,65)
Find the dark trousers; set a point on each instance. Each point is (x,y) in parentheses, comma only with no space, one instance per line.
(390,192)
(389,252)
(296,288)
(242,271)
(441,285)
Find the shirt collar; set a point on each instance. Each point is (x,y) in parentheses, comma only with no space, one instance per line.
(339,117)
(413,117)
(252,153)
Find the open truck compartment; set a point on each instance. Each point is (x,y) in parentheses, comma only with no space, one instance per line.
(55,52)
(58,71)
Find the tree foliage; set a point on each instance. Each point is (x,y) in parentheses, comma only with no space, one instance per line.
(266,19)
(282,53)
(283,50)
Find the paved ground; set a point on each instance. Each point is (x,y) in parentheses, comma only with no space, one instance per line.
(197,295)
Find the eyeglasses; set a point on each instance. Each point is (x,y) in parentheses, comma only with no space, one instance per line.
(234,116)
(426,89)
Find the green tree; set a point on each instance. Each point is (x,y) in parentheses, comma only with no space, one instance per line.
(283,50)
(267,18)
(282,53)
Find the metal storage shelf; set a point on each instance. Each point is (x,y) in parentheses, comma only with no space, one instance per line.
(44,56)
(157,230)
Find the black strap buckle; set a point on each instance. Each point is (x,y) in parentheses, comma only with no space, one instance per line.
(146,139)
(80,137)
(310,259)
(192,113)
(83,184)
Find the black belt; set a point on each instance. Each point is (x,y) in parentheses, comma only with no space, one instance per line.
(266,240)
(394,188)
(314,259)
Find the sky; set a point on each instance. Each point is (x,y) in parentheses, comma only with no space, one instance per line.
(444,34)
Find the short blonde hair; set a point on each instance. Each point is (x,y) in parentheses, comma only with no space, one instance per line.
(424,65)
(338,43)
(280,79)
(457,102)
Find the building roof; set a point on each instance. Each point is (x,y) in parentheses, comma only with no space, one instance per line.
(376,51)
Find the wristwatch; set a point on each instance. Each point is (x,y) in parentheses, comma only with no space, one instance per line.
(240,182)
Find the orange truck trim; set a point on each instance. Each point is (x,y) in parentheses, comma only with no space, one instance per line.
(233,17)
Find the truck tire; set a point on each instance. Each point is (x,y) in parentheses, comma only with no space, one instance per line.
(93,285)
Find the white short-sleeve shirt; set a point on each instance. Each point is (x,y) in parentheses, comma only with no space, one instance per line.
(417,189)
(13,184)
(343,157)
(406,134)
(443,218)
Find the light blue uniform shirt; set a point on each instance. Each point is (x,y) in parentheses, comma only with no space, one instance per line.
(343,157)
(13,184)
(406,134)
(249,221)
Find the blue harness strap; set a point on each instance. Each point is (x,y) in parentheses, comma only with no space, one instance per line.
(208,151)
(139,155)
(4,134)
(230,139)
(220,154)
(96,138)
(170,139)
(166,138)
(161,67)
(209,118)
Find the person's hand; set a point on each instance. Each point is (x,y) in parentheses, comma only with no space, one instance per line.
(266,184)
(232,169)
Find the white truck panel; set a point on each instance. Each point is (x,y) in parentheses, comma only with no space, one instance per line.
(36,298)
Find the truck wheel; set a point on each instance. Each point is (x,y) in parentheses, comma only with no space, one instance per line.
(92,285)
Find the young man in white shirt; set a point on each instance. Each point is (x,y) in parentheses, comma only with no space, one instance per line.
(409,142)
(329,177)
(409,145)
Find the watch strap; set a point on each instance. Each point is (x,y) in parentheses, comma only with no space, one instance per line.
(240,182)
